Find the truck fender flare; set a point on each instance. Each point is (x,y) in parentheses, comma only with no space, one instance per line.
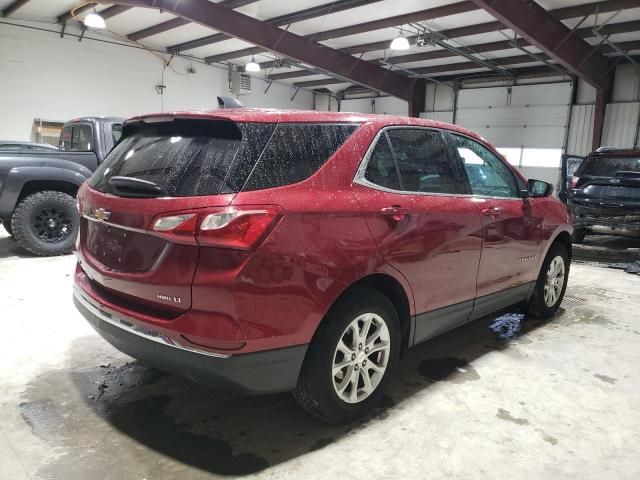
(19,176)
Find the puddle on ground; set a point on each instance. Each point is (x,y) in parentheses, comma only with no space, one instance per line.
(130,421)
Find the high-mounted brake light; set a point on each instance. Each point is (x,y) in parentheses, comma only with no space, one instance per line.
(227,227)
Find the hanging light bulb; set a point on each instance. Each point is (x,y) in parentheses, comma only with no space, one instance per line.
(400,43)
(252,66)
(93,20)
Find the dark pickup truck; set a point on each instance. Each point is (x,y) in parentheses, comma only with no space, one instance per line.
(38,188)
(604,191)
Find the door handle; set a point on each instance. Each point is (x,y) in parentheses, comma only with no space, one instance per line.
(493,212)
(396,212)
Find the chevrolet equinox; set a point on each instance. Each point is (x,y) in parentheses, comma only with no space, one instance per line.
(265,251)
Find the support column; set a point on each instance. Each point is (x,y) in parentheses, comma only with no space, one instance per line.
(418,98)
(603,96)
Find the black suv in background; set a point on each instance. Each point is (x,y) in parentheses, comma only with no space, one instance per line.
(604,191)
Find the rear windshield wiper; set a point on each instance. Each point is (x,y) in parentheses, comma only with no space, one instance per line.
(135,187)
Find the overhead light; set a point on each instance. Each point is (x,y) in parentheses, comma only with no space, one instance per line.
(252,66)
(93,20)
(400,43)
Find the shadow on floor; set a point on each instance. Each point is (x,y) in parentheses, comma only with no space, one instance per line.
(193,426)
(10,248)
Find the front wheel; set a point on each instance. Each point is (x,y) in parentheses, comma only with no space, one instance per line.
(551,284)
(351,358)
(46,223)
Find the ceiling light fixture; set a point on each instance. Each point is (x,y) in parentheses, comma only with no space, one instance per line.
(93,20)
(400,43)
(252,66)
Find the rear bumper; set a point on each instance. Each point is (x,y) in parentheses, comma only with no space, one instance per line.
(262,372)
(624,218)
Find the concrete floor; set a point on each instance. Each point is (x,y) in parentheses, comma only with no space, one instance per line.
(504,397)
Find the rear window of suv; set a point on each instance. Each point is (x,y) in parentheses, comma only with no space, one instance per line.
(608,166)
(209,157)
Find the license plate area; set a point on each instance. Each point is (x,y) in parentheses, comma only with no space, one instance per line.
(122,249)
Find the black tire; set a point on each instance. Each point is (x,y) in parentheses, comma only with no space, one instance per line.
(536,306)
(578,235)
(46,241)
(315,391)
(6,223)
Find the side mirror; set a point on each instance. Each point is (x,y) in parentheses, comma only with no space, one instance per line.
(538,188)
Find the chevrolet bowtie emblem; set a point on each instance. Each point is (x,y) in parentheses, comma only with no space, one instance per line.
(100,214)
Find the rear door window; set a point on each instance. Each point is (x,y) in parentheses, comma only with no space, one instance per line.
(295,152)
(412,160)
(186,157)
(423,160)
(381,167)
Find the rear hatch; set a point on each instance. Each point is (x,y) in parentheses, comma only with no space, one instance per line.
(137,240)
(609,185)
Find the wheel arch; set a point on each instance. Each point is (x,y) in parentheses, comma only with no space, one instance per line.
(393,290)
(23,181)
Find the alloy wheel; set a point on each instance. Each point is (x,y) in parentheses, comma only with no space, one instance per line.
(361,357)
(554,281)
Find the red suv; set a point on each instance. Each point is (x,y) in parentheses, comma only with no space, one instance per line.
(265,251)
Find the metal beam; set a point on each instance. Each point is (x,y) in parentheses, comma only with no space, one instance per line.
(610,29)
(287,44)
(298,16)
(438,12)
(550,35)
(421,16)
(12,7)
(179,22)
(113,11)
(158,28)
(488,27)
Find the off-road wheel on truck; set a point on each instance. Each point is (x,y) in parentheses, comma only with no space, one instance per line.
(6,223)
(351,358)
(46,223)
(551,284)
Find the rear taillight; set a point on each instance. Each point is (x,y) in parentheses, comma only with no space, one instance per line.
(573,182)
(230,227)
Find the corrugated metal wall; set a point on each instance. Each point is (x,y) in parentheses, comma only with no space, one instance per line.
(581,130)
(620,127)
(621,124)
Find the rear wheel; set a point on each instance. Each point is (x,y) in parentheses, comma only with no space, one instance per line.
(6,223)
(46,223)
(551,284)
(351,358)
